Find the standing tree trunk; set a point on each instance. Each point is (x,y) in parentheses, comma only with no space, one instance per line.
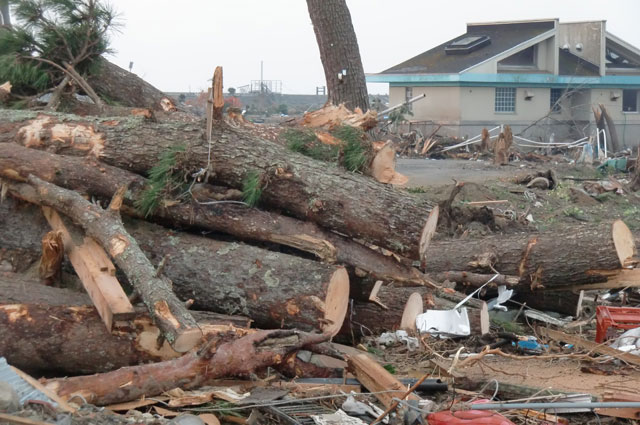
(339,53)
(5,19)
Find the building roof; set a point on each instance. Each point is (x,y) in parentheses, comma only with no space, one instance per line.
(503,36)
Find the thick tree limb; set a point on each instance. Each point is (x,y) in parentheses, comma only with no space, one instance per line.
(344,202)
(250,224)
(41,338)
(170,315)
(239,357)
(274,289)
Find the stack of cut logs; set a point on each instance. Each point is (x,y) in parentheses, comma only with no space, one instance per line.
(327,253)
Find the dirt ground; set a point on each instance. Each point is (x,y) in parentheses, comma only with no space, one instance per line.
(549,209)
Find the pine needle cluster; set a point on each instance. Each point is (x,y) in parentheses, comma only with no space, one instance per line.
(163,182)
(352,151)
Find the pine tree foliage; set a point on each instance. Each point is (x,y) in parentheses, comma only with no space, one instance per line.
(46,35)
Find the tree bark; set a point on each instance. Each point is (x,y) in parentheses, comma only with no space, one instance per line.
(339,53)
(249,224)
(168,313)
(40,338)
(547,259)
(635,179)
(366,318)
(345,202)
(613,133)
(125,88)
(240,358)
(18,288)
(5,19)
(274,289)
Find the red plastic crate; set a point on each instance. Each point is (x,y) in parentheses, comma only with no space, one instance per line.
(610,318)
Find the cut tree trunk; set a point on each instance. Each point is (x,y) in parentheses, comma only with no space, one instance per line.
(127,89)
(613,133)
(236,358)
(580,255)
(339,53)
(168,313)
(248,224)
(366,318)
(40,338)
(348,203)
(274,289)
(635,180)
(24,289)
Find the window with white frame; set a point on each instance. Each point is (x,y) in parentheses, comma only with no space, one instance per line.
(408,95)
(554,103)
(505,99)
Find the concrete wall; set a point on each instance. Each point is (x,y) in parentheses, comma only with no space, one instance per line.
(546,55)
(478,103)
(627,123)
(441,104)
(464,111)
(590,34)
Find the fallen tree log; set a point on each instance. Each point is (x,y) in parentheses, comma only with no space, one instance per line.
(105,226)
(366,318)
(127,89)
(274,289)
(41,338)
(236,358)
(580,255)
(348,203)
(249,224)
(18,288)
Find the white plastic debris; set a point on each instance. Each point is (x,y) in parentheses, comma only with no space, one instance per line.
(504,295)
(444,322)
(351,406)
(388,338)
(338,418)
(629,342)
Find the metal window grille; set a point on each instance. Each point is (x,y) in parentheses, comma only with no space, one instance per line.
(505,99)
(408,94)
(556,94)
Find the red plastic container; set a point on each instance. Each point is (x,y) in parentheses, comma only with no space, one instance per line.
(610,318)
(468,417)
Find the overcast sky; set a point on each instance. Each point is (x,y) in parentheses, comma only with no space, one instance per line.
(175,45)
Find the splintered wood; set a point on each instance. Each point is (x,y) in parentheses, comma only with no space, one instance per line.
(95,269)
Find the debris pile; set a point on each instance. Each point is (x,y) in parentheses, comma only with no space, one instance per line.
(178,270)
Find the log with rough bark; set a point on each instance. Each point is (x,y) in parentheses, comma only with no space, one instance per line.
(249,224)
(42,338)
(127,89)
(19,288)
(366,318)
(634,185)
(105,226)
(580,255)
(272,288)
(613,133)
(222,358)
(339,53)
(348,203)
